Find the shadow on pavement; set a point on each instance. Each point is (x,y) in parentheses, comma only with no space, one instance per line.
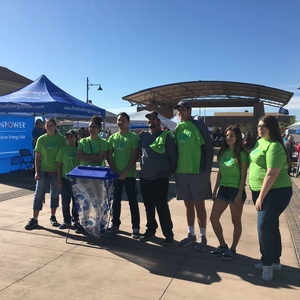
(24,180)
(183,263)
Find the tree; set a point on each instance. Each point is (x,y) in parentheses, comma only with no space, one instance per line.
(292,119)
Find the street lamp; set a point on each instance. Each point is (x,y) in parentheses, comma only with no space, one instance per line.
(88,84)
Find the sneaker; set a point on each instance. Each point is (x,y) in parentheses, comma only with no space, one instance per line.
(79,229)
(77,225)
(228,254)
(267,274)
(276,267)
(53,221)
(147,236)
(31,224)
(168,241)
(202,243)
(190,239)
(112,228)
(218,251)
(135,233)
(64,226)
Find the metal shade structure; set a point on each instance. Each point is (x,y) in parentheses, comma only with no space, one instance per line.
(42,97)
(210,94)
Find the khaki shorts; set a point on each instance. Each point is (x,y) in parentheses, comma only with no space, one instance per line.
(195,187)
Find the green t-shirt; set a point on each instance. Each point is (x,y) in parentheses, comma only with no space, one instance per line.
(122,145)
(90,145)
(67,156)
(230,169)
(189,142)
(48,146)
(267,154)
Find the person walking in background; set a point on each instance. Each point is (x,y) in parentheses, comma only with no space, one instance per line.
(195,156)
(230,185)
(46,149)
(122,156)
(298,159)
(37,131)
(289,146)
(66,162)
(92,150)
(158,162)
(271,192)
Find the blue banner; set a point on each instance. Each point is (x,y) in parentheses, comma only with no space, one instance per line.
(15,134)
(283,111)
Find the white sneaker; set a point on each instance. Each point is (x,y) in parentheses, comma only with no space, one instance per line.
(276,267)
(267,274)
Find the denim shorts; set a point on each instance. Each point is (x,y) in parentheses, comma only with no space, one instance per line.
(228,194)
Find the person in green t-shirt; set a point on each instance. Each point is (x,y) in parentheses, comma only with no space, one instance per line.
(66,162)
(46,149)
(92,150)
(230,185)
(195,157)
(271,189)
(122,156)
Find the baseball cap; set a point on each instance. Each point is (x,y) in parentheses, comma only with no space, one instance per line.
(39,121)
(72,132)
(183,103)
(153,113)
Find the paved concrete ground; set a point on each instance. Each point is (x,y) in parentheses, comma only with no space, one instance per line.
(39,264)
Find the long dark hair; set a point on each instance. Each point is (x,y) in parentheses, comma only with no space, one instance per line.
(238,146)
(275,134)
(97,120)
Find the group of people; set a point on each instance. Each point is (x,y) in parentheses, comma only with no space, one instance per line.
(188,153)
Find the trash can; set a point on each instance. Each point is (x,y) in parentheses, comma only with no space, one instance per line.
(93,191)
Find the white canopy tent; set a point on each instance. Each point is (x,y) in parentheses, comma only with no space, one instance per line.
(292,129)
(140,118)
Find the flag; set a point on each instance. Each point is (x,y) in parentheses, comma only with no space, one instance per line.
(283,111)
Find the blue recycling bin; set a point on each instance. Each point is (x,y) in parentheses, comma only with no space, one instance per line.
(93,191)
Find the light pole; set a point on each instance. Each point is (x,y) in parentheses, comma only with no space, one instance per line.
(88,84)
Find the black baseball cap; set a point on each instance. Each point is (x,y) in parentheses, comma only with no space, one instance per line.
(153,113)
(183,103)
(39,121)
(72,132)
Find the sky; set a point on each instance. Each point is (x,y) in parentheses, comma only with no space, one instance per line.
(131,45)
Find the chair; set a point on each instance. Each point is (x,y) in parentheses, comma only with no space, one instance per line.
(14,160)
(27,160)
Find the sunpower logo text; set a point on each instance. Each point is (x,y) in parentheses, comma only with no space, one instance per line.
(9,124)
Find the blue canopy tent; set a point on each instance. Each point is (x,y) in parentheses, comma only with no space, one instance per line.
(44,98)
(40,98)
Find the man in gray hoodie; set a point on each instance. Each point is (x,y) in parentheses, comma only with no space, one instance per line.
(158,162)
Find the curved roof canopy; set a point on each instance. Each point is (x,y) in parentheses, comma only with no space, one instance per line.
(210,94)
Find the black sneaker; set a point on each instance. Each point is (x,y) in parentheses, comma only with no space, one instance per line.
(147,236)
(135,233)
(79,229)
(112,228)
(168,241)
(31,224)
(77,225)
(229,254)
(219,251)
(64,226)
(53,221)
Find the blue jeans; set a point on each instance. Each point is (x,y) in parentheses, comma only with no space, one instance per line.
(269,237)
(40,190)
(130,187)
(67,195)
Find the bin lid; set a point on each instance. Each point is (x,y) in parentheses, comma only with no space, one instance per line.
(93,172)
